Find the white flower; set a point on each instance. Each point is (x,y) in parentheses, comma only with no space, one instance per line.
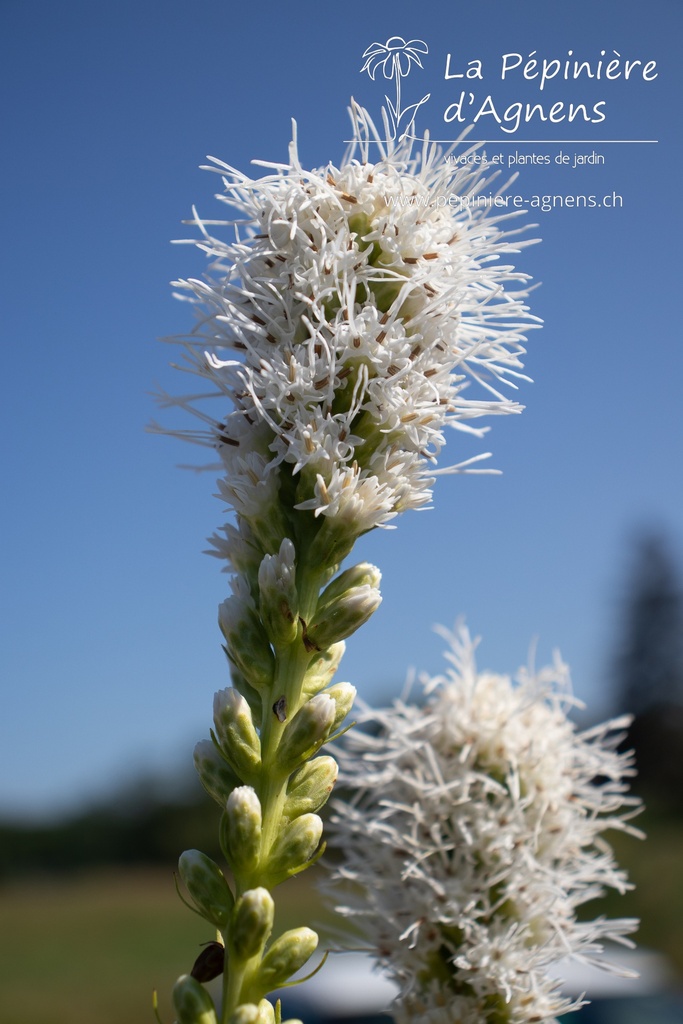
(361,305)
(473,836)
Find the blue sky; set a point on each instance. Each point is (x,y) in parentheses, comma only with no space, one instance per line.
(110,653)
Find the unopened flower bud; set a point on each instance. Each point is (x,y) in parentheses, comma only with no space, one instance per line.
(343,695)
(307,731)
(294,847)
(216,775)
(240,829)
(236,733)
(322,668)
(192,1003)
(343,608)
(278,595)
(252,696)
(250,1013)
(309,788)
(334,541)
(252,923)
(207,886)
(247,641)
(266,1012)
(363,574)
(285,957)
(247,1013)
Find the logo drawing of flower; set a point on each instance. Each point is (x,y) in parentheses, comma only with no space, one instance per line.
(395,58)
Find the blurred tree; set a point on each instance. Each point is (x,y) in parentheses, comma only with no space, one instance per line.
(649,671)
(144,822)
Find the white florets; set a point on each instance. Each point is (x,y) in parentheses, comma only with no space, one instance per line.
(474,835)
(361,304)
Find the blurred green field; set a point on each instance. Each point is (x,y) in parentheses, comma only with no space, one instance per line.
(655,866)
(89,949)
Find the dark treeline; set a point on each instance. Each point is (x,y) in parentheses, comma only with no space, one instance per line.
(143,824)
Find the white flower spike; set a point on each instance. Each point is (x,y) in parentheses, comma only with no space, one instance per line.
(365,303)
(473,836)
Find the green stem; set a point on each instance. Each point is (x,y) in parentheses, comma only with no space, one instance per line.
(291,665)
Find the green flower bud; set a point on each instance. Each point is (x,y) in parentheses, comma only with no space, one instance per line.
(266,1012)
(294,847)
(192,1003)
(216,775)
(207,886)
(309,787)
(236,734)
(344,606)
(343,695)
(308,730)
(247,1013)
(250,1013)
(361,575)
(333,541)
(240,829)
(247,641)
(286,956)
(252,923)
(322,669)
(252,696)
(279,602)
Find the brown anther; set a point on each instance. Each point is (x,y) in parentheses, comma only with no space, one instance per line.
(410,259)
(330,181)
(348,198)
(258,320)
(381,336)
(269,263)
(430,256)
(357,342)
(371,178)
(320,385)
(271,338)
(393,369)
(416,351)
(384,318)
